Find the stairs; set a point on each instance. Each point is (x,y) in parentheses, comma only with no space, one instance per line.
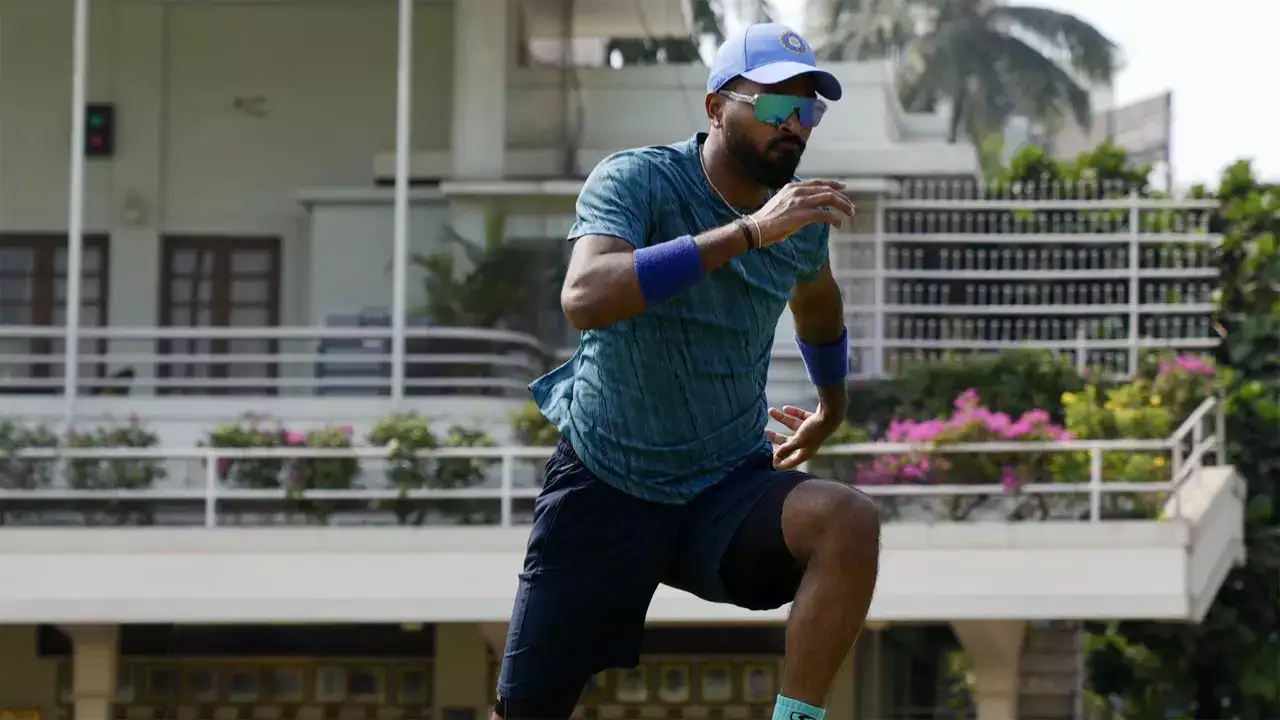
(1051,672)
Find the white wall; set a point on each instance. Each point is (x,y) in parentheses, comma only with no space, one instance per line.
(326,76)
(1126,569)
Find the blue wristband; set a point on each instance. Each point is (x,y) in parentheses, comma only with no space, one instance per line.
(667,269)
(826,364)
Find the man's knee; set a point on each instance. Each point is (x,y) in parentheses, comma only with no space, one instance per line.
(822,516)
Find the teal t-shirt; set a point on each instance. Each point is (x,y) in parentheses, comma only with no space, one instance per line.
(665,404)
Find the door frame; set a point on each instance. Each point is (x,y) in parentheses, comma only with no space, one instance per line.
(222,273)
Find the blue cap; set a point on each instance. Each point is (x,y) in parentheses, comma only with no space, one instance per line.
(769,53)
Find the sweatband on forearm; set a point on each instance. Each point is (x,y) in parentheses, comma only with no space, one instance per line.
(826,364)
(667,269)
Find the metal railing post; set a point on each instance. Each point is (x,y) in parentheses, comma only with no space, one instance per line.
(211,489)
(876,367)
(508,483)
(1135,281)
(1095,484)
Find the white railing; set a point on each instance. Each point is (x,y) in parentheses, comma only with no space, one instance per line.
(947,268)
(1189,445)
(272,360)
(952,267)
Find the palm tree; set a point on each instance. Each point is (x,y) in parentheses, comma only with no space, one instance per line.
(991,60)
(709,18)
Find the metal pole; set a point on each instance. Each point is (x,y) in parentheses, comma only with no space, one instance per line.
(75,219)
(400,233)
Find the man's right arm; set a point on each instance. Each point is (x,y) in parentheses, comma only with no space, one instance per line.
(615,270)
(602,285)
(618,269)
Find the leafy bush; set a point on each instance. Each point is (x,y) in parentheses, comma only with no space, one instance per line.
(293,475)
(407,436)
(969,422)
(532,429)
(131,474)
(1016,381)
(22,474)
(1148,408)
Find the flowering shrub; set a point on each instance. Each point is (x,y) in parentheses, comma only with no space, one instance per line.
(407,436)
(251,431)
(131,474)
(19,474)
(321,473)
(292,475)
(1149,407)
(970,422)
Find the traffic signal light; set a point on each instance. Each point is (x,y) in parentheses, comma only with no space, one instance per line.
(100,130)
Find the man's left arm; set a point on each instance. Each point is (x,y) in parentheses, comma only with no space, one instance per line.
(818,310)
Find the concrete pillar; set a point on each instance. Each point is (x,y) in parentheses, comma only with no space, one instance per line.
(994,648)
(480,67)
(462,669)
(95,650)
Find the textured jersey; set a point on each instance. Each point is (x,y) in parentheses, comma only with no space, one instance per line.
(665,404)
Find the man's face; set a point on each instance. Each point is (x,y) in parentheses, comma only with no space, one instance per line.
(769,153)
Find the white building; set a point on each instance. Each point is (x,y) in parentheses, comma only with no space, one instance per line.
(250,201)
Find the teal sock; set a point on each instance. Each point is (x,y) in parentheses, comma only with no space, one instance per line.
(788,709)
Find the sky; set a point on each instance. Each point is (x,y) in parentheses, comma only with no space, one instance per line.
(1219,59)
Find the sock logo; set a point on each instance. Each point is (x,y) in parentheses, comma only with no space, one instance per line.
(797,715)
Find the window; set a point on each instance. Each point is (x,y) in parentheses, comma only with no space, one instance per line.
(33,292)
(220,283)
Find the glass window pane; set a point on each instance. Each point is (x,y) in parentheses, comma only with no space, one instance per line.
(250,291)
(181,290)
(15,314)
(21,260)
(15,289)
(90,260)
(90,290)
(250,261)
(249,317)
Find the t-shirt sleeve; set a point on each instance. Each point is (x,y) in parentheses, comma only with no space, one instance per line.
(813,255)
(616,200)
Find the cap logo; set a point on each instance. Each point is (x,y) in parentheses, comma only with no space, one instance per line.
(793,43)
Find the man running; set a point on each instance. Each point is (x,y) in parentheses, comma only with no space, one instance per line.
(685,257)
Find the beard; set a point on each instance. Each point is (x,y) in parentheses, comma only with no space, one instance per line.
(773,167)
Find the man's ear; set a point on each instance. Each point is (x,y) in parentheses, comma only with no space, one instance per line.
(715,109)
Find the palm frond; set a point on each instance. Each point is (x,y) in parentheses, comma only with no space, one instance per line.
(1040,85)
(1090,52)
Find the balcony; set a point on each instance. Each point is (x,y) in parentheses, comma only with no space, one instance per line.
(209,548)
(183,381)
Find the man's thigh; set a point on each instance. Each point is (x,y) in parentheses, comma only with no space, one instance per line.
(595,557)
(732,549)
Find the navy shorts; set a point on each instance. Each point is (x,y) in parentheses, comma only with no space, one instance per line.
(596,555)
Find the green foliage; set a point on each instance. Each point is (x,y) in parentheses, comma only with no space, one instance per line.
(532,429)
(1106,167)
(293,475)
(408,438)
(969,421)
(991,60)
(131,474)
(492,290)
(248,473)
(1013,381)
(1229,665)
(839,467)
(23,474)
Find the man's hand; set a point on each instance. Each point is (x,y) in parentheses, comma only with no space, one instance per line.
(799,204)
(811,430)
